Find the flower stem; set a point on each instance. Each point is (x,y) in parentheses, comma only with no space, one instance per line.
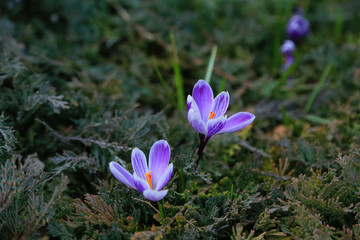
(203,142)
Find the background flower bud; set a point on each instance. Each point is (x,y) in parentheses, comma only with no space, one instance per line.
(288,47)
(297,27)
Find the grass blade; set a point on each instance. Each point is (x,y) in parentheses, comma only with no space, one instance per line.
(161,210)
(178,76)
(338,28)
(170,96)
(211,63)
(182,180)
(317,119)
(232,192)
(317,88)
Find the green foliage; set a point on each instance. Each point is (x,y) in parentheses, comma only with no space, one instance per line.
(26,204)
(7,140)
(84,82)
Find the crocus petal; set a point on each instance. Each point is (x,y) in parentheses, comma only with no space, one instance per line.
(190,103)
(196,122)
(215,125)
(140,184)
(165,177)
(122,174)
(155,195)
(203,96)
(238,121)
(158,159)
(138,161)
(220,104)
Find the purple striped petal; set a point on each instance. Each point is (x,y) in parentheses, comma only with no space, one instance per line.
(203,96)
(138,161)
(165,177)
(122,174)
(190,102)
(238,121)
(140,184)
(196,122)
(153,195)
(215,125)
(159,159)
(220,104)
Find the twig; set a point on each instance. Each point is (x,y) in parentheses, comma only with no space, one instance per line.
(148,204)
(140,30)
(271,174)
(254,149)
(84,140)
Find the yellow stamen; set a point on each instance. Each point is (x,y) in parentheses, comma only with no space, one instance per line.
(148,178)
(212,114)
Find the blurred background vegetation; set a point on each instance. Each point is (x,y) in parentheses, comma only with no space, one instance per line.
(83,82)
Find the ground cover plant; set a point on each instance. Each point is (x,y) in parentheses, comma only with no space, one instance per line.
(84,83)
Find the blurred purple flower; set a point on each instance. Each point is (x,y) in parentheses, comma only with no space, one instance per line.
(206,114)
(288,61)
(287,49)
(147,179)
(297,27)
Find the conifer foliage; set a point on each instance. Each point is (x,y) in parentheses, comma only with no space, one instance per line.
(84,83)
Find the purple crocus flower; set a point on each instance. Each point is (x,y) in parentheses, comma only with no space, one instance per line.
(150,178)
(206,114)
(297,27)
(287,49)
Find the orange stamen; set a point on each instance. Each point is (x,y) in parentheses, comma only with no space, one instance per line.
(148,178)
(212,114)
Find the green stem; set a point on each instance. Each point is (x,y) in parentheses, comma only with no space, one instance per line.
(203,142)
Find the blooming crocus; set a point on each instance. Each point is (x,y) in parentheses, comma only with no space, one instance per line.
(150,178)
(287,49)
(297,27)
(206,114)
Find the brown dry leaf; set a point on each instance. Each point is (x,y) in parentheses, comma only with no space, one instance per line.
(147,235)
(279,132)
